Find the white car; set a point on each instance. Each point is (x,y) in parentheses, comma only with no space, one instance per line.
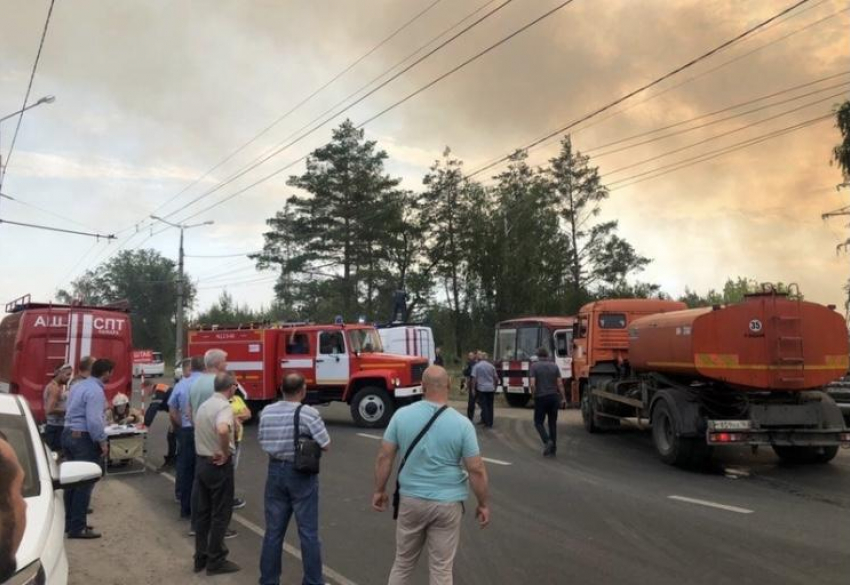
(41,557)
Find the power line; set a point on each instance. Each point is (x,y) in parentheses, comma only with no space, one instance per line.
(348,107)
(672,167)
(394,105)
(645,87)
(56,229)
(724,110)
(722,134)
(363,87)
(658,94)
(27,95)
(45,211)
(222,255)
(301,103)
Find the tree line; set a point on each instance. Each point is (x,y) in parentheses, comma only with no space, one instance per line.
(468,255)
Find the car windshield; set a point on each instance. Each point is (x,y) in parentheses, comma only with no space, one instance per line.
(365,341)
(18,435)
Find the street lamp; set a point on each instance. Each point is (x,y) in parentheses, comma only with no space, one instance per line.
(48,99)
(178,347)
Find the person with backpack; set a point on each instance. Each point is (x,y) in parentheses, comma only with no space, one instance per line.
(440,461)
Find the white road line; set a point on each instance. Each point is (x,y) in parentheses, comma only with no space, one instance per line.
(339,579)
(368,436)
(711,504)
(496,461)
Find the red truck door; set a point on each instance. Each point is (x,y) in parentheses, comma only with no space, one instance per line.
(332,363)
(299,347)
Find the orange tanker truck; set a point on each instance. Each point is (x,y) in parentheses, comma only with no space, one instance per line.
(752,373)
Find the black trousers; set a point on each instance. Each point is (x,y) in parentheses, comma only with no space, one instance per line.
(471,400)
(485,399)
(212,508)
(547,407)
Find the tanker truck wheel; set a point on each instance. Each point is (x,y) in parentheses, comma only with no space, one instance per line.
(372,407)
(805,455)
(672,448)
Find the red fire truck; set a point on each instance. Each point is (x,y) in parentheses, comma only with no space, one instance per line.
(341,363)
(516,345)
(36,338)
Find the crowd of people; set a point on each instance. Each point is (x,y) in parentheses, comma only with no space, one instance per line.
(207,414)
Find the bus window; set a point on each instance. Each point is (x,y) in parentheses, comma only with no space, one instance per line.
(505,344)
(527,341)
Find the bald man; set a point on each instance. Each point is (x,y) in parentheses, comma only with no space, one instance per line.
(433,484)
(13,509)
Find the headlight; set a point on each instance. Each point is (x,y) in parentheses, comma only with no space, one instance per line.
(32,574)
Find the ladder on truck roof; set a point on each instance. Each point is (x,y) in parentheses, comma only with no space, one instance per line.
(58,339)
(252,325)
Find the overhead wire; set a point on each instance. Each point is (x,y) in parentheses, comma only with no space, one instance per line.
(359,100)
(4,168)
(626,108)
(302,102)
(720,135)
(391,107)
(644,87)
(675,166)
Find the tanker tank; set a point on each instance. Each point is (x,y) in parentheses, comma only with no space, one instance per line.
(768,342)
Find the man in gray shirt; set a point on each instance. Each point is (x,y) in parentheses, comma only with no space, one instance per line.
(212,494)
(483,382)
(547,387)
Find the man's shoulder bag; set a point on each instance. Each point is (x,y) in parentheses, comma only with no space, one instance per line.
(308,452)
(396,495)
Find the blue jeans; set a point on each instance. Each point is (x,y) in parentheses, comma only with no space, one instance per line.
(289,491)
(77,500)
(185,470)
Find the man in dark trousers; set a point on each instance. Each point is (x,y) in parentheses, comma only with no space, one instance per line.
(288,491)
(484,382)
(84,439)
(180,412)
(212,494)
(547,387)
(471,359)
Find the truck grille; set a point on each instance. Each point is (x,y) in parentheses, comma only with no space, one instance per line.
(416,371)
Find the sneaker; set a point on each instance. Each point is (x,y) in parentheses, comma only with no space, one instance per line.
(230,534)
(238,503)
(223,568)
(192,532)
(86,534)
(200,565)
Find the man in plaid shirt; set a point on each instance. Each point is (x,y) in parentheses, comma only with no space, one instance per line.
(288,490)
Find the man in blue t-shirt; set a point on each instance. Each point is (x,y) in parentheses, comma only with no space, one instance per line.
(434,482)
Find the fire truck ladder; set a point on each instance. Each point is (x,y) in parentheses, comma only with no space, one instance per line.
(58,340)
(789,347)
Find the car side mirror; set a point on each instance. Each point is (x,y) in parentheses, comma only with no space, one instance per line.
(77,473)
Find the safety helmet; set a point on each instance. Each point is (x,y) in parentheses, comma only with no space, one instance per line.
(120,399)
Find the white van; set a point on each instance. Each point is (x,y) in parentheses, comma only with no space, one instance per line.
(416,340)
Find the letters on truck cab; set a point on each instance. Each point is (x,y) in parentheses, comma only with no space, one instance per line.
(340,362)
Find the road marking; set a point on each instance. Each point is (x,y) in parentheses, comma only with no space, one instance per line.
(487,459)
(496,461)
(711,504)
(339,579)
(368,436)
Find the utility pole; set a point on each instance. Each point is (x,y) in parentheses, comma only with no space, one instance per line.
(178,346)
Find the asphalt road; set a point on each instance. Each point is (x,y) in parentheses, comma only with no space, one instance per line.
(604,511)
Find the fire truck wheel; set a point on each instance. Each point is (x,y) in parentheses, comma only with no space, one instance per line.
(802,455)
(372,407)
(517,400)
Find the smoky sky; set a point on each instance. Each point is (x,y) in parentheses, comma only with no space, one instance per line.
(151,94)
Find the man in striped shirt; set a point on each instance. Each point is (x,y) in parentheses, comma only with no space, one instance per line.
(288,490)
